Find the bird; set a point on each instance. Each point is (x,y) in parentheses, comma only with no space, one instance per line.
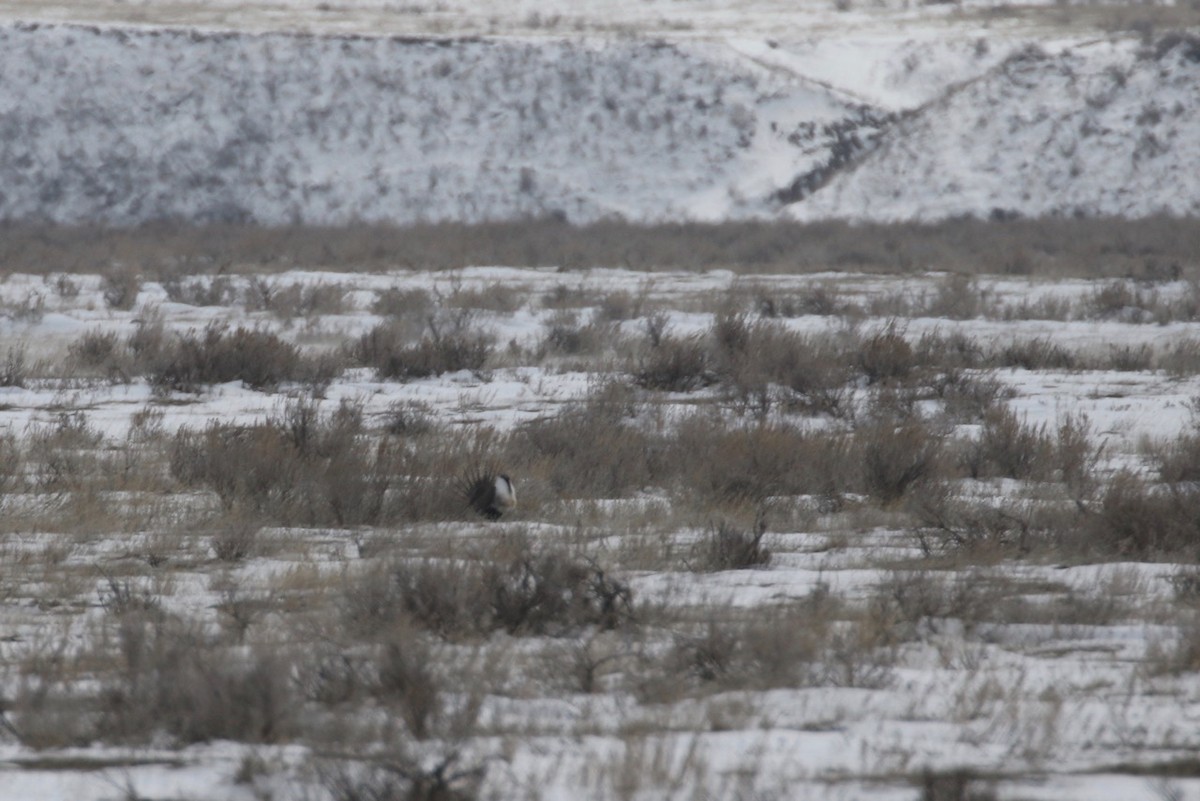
(489,493)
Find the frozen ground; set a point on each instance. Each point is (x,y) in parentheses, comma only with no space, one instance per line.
(1070,695)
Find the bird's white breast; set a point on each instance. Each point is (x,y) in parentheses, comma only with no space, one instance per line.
(505,494)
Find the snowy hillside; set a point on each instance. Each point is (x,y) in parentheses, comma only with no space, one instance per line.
(1096,130)
(124,125)
(127,126)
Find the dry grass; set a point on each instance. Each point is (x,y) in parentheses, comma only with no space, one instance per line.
(1097,248)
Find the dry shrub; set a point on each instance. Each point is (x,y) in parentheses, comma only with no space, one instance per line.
(1185,584)
(1183,307)
(1067,454)
(46,711)
(1035,354)
(732,333)
(64,286)
(63,454)
(1137,520)
(12,464)
(368,603)
(319,300)
(584,664)
(862,652)
(402,777)
(912,600)
(952,351)
(295,299)
(103,353)
(257,357)
(416,304)
(120,288)
(495,297)
(1008,447)
(173,678)
(14,369)
(251,464)
(215,291)
(764,363)
(94,348)
(564,335)
(593,448)
(168,678)
(1178,460)
(388,349)
(1128,358)
(1076,457)
(548,592)
(235,537)
(332,676)
(409,419)
(720,465)
(656,325)
(447,598)
(944,522)
(727,546)
(675,364)
(622,305)
(1180,654)
(300,467)
(886,357)
(562,296)
(375,347)
(773,647)
(967,396)
(187,361)
(896,454)
(956,297)
(239,610)
(706,657)
(955,785)
(407,676)
(149,341)
(1046,307)
(820,299)
(1121,300)
(516,589)
(1182,358)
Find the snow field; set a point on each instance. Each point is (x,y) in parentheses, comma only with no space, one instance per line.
(1052,673)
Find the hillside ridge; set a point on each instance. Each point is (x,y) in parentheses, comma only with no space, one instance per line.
(122,126)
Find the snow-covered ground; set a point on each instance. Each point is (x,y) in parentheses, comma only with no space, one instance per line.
(1073,700)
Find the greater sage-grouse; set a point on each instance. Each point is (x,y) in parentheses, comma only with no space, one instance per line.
(489,493)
